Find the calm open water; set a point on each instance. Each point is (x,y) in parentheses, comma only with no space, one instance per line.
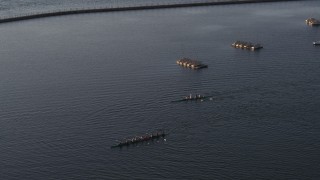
(71,85)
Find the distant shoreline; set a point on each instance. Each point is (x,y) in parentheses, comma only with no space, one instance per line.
(132,8)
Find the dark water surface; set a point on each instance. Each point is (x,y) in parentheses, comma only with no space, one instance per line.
(71,85)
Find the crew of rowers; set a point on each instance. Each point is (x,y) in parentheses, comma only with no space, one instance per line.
(143,138)
(312,22)
(190,97)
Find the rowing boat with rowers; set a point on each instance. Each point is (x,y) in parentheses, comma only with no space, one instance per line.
(140,139)
(197,97)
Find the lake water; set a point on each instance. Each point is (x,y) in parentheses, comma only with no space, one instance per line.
(19,7)
(71,85)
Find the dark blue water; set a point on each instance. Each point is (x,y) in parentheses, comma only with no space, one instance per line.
(71,85)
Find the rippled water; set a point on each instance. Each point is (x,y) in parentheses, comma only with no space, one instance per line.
(19,7)
(71,85)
